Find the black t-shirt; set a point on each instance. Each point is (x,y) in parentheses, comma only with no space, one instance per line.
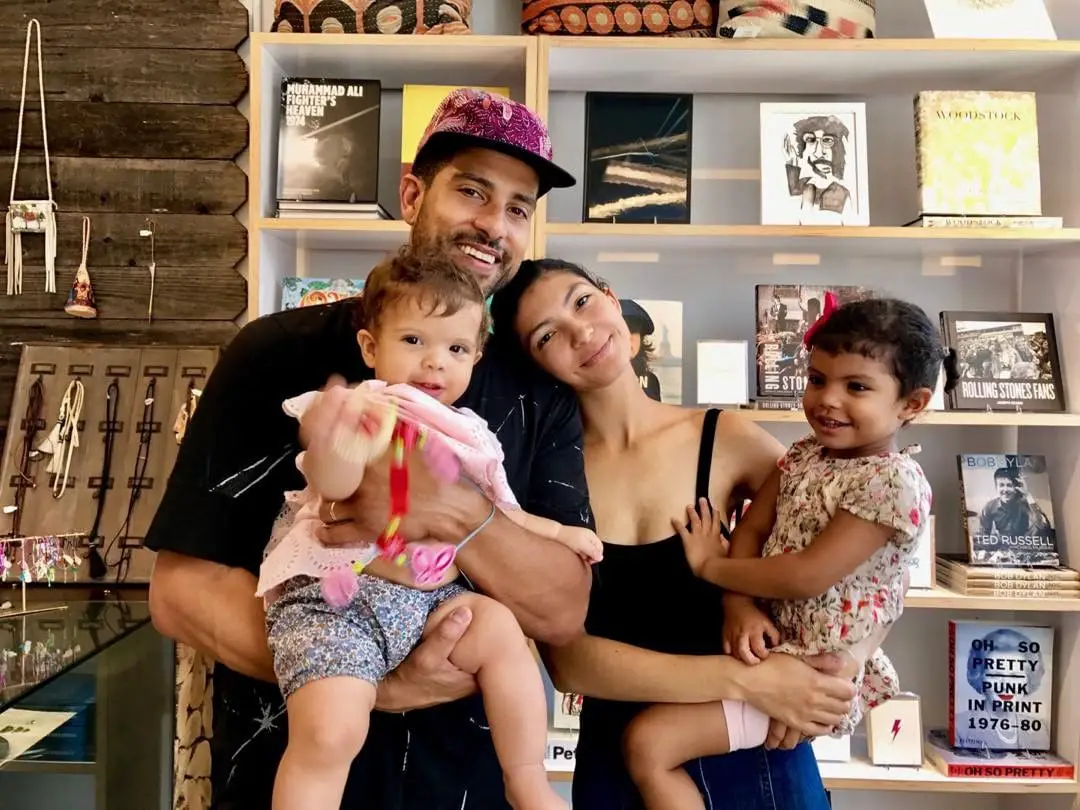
(227,487)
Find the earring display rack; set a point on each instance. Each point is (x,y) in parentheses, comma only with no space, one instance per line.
(94,432)
(39,558)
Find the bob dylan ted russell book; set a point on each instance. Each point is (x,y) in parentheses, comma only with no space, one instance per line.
(328,143)
(1008,510)
(1007,361)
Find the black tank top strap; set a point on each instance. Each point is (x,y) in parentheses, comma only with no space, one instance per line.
(705,453)
(704,463)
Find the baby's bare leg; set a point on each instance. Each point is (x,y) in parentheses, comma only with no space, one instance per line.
(497,652)
(328,723)
(664,737)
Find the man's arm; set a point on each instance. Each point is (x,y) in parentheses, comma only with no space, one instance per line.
(543,582)
(212,608)
(208,539)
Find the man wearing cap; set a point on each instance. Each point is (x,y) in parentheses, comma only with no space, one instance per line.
(482,164)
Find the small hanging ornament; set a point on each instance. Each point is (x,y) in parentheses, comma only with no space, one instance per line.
(80,301)
(150,231)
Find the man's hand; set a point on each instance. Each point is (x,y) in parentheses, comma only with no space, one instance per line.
(748,632)
(800,694)
(427,678)
(702,540)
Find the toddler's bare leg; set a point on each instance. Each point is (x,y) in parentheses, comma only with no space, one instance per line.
(328,723)
(660,740)
(496,651)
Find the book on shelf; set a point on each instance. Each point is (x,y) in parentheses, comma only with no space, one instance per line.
(1006,361)
(317,210)
(1001,683)
(299,292)
(983,763)
(566,710)
(418,105)
(977,153)
(998,19)
(1008,512)
(1006,582)
(989,223)
(784,313)
(328,141)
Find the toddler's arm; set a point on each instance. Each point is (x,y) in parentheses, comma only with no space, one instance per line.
(844,544)
(577,538)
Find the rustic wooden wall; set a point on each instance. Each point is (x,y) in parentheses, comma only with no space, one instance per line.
(141,109)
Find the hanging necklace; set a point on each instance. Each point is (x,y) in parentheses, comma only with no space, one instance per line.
(64,437)
(138,481)
(32,423)
(98,568)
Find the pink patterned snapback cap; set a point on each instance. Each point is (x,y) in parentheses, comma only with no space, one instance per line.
(471,117)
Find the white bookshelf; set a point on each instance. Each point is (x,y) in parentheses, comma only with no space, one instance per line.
(713,263)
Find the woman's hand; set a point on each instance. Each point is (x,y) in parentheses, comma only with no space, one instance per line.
(748,632)
(702,538)
(805,695)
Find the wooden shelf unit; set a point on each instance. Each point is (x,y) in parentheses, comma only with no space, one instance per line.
(549,74)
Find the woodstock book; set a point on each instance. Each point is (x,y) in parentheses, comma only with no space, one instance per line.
(977,153)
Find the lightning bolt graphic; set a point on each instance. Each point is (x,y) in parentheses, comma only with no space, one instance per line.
(895,728)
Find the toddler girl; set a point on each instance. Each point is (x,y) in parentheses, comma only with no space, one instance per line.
(341,619)
(839,519)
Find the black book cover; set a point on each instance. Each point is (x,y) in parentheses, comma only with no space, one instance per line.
(1008,361)
(637,157)
(328,142)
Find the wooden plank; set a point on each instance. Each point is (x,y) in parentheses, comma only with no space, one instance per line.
(180,293)
(88,129)
(143,76)
(133,185)
(181,240)
(216,24)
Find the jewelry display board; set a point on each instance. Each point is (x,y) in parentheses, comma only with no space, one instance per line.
(93,435)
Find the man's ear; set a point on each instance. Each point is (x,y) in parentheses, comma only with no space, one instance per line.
(367,347)
(411,193)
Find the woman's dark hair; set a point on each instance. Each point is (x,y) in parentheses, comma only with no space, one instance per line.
(893,332)
(505,303)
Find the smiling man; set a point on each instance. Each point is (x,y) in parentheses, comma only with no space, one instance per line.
(482,164)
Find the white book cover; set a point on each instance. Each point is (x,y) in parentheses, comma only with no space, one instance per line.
(989,19)
(1001,683)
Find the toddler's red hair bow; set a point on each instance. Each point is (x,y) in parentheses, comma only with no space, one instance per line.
(827,309)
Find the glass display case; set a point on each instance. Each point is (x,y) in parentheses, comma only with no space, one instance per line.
(86,705)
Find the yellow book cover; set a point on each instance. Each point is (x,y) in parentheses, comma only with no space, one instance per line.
(977,153)
(418,103)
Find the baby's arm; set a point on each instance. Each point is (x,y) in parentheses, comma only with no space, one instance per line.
(334,466)
(577,538)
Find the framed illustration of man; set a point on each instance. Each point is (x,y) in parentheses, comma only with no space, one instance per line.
(814,167)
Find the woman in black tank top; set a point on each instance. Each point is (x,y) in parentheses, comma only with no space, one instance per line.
(645,596)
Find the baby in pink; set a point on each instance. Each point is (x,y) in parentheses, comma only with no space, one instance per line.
(425,325)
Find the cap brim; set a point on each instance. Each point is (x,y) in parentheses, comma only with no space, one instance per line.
(549,175)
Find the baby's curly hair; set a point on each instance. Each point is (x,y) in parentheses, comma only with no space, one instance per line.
(427,276)
(894,332)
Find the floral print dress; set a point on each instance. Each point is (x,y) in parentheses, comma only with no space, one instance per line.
(889,489)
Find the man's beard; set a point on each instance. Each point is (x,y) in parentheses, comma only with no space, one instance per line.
(423,236)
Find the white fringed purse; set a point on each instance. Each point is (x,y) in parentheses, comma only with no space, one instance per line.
(30,216)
